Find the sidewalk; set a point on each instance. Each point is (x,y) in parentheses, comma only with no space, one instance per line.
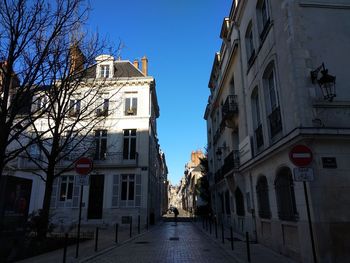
(106,241)
(258,252)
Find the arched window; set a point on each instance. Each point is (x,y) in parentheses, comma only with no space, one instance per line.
(239,202)
(262,192)
(285,195)
(249,44)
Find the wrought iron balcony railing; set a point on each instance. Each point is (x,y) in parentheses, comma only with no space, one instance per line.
(231,162)
(230,107)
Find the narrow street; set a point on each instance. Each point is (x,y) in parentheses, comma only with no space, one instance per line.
(183,242)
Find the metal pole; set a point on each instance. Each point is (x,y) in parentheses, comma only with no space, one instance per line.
(232,247)
(96,239)
(147,223)
(248,248)
(310,224)
(222,233)
(210,226)
(79,221)
(216,229)
(138,224)
(130,226)
(116,233)
(65,247)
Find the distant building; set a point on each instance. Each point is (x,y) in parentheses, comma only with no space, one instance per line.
(269,92)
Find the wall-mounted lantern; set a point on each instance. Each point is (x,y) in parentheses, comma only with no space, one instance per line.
(219,152)
(326,82)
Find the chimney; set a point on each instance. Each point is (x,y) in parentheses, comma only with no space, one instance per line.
(144,62)
(77,59)
(136,63)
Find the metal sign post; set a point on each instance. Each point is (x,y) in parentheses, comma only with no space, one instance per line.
(83,167)
(302,156)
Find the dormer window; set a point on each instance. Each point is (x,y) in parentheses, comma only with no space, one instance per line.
(104,71)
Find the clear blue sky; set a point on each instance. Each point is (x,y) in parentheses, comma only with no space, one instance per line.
(180,39)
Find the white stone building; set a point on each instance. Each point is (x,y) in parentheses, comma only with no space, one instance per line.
(263,102)
(129,168)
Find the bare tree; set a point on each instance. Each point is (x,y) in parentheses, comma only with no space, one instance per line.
(41,70)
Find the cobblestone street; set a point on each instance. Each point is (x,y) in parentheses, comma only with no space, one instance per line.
(183,242)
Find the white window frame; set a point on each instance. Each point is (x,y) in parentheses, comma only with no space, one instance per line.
(128,179)
(99,154)
(69,181)
(132,109)
(105,71)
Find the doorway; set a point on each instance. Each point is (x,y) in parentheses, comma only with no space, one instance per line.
(95,207)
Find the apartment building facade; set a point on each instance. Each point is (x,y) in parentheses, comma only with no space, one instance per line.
(129,169)
(271,93)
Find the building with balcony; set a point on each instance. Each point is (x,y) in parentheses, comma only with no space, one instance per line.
(277,68)
(129,178)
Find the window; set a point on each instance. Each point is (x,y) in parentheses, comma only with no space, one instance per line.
(262,192)
(263,18)
(249,43)
(39,103)
(239,202)
(272,103)
(129,147)
(258,134)
(104,71)
(285,195)
(66,189)
(74,107)
(102,106)
(100,144)
(128,187)
(130,106)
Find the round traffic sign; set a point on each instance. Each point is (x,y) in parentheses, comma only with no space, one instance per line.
(300,155)
(83,166)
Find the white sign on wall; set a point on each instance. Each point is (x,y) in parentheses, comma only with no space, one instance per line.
(82,180)
(303,174)
(245,150)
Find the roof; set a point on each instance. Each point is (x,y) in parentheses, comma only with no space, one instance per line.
(122,69)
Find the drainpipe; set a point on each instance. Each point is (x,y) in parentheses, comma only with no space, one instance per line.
(253,209)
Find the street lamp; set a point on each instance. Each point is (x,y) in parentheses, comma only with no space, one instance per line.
(326,82)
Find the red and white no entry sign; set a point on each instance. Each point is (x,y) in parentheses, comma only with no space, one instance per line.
(83,166)
(301,155)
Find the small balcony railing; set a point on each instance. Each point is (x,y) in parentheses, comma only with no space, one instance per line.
(230,107)
(259,138)
(231,162)
(275,122)
(117,159)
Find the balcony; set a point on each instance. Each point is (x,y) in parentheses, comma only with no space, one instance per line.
(259,138)
(230,110)
(231,162)
(111,159)
(275,122)
(115,159)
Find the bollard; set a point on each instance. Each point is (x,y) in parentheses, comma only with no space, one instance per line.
(116,233)
(138,224)
(65,247)
(130,226)
(232,247)
(96,239)
(222,233)
(216,229)
(248,248)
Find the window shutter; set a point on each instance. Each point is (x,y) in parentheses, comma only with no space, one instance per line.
(138,191)
(76,191)
(115,192)
(54,192)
